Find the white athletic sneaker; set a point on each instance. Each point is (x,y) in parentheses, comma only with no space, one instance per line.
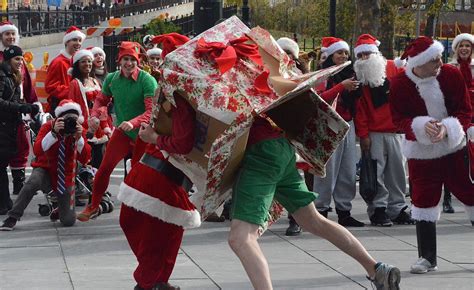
(422,266)
(387,277)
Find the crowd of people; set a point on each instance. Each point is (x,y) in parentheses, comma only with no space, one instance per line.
(414,109)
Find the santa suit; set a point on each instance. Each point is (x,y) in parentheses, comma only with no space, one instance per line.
(156,209)
(414,102)
(57,79)
(374,120)
(85,97)
(469,83)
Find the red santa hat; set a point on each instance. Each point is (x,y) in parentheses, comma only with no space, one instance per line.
(73,32)
(154,51)
(129,48)
(461,37)
(366,43)
(420,51)
(69,106)
(6,25)
(82,53)
(97,50)
(289,45)
(330,45)
(169,42)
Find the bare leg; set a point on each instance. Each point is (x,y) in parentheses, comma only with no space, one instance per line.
(243,238)
(310,220)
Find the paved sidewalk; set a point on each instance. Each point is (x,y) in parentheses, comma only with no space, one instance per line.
(39,254)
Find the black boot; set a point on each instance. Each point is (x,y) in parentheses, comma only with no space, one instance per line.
(447,206)
(294,228)
(18,176)
(346,220)
(5,200)
(380,218)
(426,239)
(324,213)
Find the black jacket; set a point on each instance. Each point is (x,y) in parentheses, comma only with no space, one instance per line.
(10,115)
(10,94)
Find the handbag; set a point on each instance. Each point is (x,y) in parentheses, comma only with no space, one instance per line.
(368,177)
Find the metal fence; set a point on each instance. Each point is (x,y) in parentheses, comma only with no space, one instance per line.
(185,23)
(31,21)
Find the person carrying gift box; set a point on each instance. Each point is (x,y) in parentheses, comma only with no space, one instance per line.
(430,103)
(378,135)
(132,90)
(59,145)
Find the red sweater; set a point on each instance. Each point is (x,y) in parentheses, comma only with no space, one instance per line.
(369,119)
(57,79)
(181,140)
(330,95)
(46,150)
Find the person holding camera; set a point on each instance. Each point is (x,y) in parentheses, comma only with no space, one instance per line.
(9,36)
(132,90)
(58,146)
(84,90)
(11,125)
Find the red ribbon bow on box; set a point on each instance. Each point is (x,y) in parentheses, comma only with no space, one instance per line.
(226,56)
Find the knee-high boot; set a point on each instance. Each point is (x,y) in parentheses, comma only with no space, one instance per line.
(426,239)
(18,176)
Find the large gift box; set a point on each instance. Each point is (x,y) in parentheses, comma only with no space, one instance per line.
(230,74)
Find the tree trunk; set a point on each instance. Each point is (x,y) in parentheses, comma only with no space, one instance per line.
(429,20)
(368,17)
(387,29)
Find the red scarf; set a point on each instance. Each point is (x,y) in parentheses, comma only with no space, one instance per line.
(465,68)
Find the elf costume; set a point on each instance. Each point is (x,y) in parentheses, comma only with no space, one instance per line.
(132,103)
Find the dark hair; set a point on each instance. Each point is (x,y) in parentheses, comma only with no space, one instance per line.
(76,72)
(16,75)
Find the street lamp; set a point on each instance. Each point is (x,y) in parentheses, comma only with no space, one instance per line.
(332,18)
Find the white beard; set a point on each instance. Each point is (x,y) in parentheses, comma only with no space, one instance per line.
(371,71)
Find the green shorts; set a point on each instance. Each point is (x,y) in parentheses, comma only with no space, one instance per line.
(268,172)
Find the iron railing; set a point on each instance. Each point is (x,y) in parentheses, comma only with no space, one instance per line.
(31,21)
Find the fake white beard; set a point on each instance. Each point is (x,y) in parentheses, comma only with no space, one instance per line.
(371,71)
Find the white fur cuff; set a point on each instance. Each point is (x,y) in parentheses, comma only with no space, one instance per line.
(48,141)
(418,127)
(430,214)
(454,130)
(470,133)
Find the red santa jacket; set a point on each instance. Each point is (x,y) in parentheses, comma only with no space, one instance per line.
(415,101)
(28,91)
(57,79)
(330,95)
(46,149)
(86,97)
(371,119)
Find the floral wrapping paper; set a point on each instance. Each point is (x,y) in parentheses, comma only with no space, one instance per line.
(232,98)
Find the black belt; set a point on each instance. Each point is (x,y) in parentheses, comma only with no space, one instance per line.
(168,170)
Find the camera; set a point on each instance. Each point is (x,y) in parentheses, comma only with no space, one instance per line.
(70,124)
